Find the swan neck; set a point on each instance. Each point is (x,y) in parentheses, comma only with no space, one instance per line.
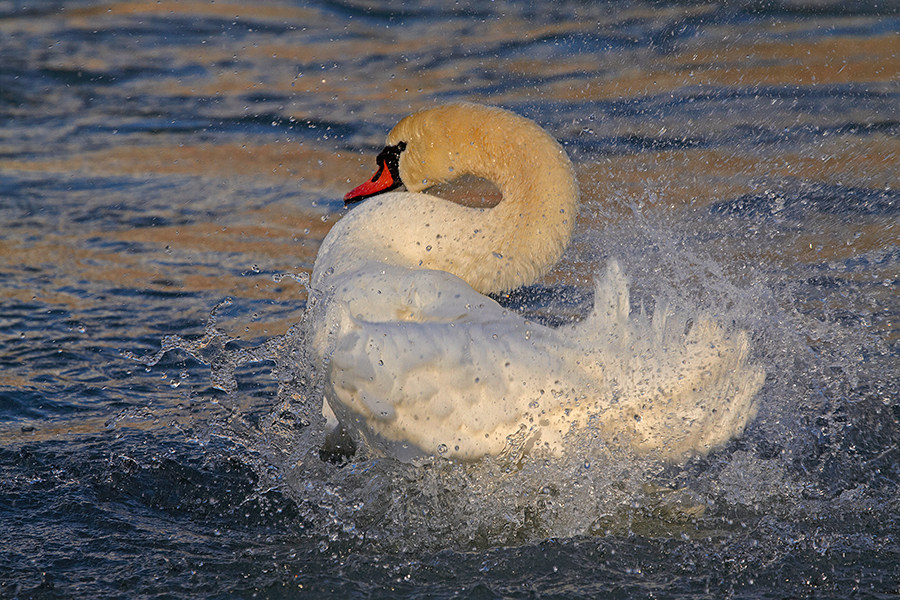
(521,238)
(533,222)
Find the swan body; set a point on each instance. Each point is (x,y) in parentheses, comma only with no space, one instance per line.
(418,360)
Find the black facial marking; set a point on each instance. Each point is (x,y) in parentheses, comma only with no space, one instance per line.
(390,157)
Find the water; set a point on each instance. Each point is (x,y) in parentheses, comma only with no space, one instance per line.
(158,158)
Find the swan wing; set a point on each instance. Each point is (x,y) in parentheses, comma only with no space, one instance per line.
(454,373)
(675,386)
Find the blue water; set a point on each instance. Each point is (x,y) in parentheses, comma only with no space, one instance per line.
(157,158)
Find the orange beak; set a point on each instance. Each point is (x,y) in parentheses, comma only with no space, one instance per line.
(381,182)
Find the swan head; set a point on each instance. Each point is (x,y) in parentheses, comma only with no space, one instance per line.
(438,145)
(429,147)
(496,249)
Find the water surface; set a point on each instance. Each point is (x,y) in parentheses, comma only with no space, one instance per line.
(157,158)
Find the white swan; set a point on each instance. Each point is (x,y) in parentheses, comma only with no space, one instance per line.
(419,361)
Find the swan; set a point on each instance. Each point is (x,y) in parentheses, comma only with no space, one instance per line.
(418,360)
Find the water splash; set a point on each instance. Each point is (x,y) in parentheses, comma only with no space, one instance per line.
(210,349)
(780,467)
(514,498)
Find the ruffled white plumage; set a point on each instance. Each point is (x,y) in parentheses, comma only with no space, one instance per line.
(419,361)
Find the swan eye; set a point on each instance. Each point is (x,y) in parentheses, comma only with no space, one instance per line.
(391,154)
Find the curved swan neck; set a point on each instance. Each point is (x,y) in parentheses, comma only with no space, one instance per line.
(532,224)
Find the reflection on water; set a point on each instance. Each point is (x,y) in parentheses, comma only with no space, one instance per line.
(158,157)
